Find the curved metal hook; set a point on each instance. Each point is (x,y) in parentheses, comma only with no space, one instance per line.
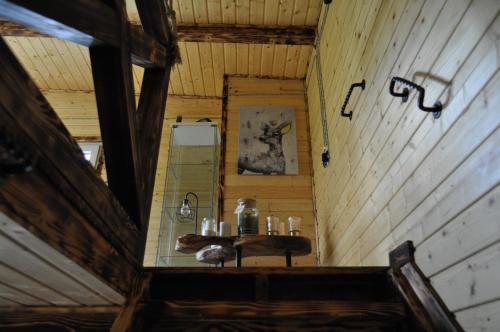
(346,100)
(435,110)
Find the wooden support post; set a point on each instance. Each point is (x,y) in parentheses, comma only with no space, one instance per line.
(114,91)
(131,317)
(427,307)
(48,187)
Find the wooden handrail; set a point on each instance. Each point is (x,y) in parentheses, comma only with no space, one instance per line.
(426,306)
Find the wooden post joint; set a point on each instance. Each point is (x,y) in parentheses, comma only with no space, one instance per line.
(404,253)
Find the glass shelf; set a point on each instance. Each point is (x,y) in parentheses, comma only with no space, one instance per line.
(193,166)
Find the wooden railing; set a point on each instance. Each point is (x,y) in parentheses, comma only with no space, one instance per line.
(427,309)
(47,186)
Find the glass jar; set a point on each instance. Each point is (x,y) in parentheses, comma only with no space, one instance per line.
(248,216)
(208,227)
(294,225)
(272,224)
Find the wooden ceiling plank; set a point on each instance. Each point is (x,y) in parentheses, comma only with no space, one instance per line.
(25,59)
(219,66)
(230,58)
(58,64)
(303,63)
(254,59)
(257,12)
(228,11)
(38,62)
(84,22)
(71,66)
(242,59)
(175,81)
(243,12)
(313,12)
(271,12)
(184,71)
(266,66)
(82,60)
(195,68)
(214,11)
(300,12)
(200,11)
(285,12)
(292,60)
(208,68)
(187,11)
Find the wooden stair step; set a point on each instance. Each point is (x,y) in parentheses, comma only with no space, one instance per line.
(287,316)
(272,284)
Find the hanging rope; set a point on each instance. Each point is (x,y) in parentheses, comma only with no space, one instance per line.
(325,155)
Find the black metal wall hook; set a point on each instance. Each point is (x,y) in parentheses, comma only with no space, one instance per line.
(435,110)
(346,100)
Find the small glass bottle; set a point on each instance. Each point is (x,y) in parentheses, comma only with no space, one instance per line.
(294,225)
(248,216)
(272,224)
(208,227)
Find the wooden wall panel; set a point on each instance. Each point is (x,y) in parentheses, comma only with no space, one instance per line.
(281,196)
(396,173)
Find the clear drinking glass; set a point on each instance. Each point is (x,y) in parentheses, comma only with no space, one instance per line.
(208,227)
(272,225)
(224,228)
(294,225)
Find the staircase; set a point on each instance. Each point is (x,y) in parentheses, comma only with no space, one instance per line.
(395,298)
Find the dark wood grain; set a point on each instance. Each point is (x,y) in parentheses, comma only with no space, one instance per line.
(84,22)
(333,310)
(191,243)
(130,318)
(297,284)
(273,245)
(217,33)
(61,200)
(85,319)
(425,304)
(114,91)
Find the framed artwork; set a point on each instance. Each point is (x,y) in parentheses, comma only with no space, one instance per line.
(267,143)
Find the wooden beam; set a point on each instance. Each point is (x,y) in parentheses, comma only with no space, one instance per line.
(247,34)
(114,91)
(58,318)
(216,33)
(49,188)
(85,22)
(152,102)
(425,304)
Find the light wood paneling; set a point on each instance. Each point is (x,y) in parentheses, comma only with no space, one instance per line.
(281,196)
(59,65)
(396,173)
(33,273)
